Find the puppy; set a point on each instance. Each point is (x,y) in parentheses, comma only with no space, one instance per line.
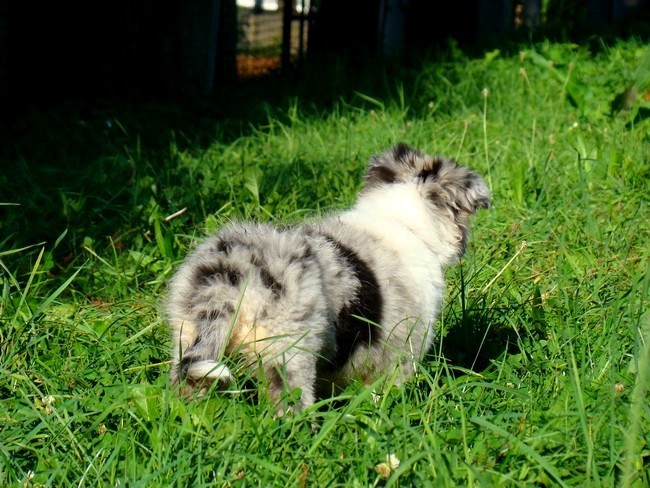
(353,296)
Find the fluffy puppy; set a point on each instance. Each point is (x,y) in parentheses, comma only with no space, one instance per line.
(352,296)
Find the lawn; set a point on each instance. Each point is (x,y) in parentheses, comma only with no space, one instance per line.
(540,372)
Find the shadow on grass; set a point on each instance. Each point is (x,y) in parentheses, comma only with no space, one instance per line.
(478,326)
(479,334)
(476,339)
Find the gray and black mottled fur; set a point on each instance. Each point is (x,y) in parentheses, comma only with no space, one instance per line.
(352,296)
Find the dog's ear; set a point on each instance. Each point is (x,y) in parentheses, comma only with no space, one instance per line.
(454,188)
(392,166)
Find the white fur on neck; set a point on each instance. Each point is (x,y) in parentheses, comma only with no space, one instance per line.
(397,213)
(423,241)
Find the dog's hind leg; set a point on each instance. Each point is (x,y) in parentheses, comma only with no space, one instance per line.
(289,369)
(286,378)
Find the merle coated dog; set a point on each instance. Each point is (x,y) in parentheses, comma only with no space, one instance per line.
(351,296)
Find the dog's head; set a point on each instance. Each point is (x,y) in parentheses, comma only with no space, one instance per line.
(446,187)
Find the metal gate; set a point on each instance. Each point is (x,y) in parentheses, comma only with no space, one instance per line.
(271,35)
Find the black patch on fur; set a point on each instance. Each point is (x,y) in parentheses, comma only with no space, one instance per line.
(440,200)
(184,366)
(208,316)
(270,282)
(404,153)
(224,246)
(306,255)
(273,376)
(380,174)
(431,170)
(225,311)
(350,331)
(207,272)
(309,253)
(186,361)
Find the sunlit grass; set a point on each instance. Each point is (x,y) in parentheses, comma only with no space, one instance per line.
(539,375)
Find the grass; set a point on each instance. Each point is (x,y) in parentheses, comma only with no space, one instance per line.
(538,377)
